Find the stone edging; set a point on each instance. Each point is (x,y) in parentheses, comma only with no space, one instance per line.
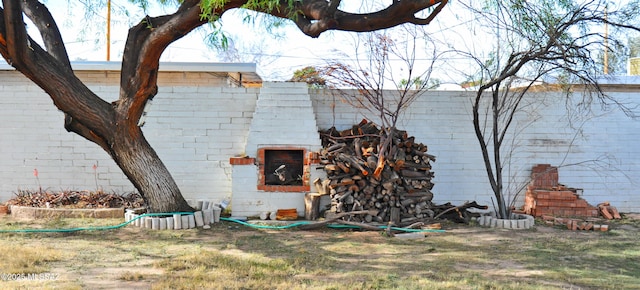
(517,221)
(201,219)
(27,212)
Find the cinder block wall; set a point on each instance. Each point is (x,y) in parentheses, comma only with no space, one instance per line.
(197,122)
(197,131)
(33,137)
(595,150)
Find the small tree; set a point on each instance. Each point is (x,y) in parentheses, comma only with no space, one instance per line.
(388,61)
(545,40)
(311,76)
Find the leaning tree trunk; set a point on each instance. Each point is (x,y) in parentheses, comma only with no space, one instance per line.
(112,126)
(140,163)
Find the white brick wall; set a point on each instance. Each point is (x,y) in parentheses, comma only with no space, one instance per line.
(33,137)
(601,155)
(196,125)
(193,125)
(195,133)
(284,116)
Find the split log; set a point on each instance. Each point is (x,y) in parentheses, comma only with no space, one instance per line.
(354,163)
(312,206)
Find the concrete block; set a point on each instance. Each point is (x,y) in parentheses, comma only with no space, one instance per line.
(162,223)
(207,215)
(170,223)
(148,222)
(216,214)
(522,224)
(177,221)
(199,220)
(185,221)
(191,220)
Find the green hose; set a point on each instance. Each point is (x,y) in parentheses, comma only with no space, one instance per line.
(265,226)
(334,226)
(102,228)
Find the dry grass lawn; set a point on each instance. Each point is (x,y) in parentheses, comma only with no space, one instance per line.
(232,256)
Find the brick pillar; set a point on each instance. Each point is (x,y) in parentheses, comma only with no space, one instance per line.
(544,176)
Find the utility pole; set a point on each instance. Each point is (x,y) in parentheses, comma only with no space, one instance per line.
(606,43)
(108,30)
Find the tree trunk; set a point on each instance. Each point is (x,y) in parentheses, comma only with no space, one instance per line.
(140,163)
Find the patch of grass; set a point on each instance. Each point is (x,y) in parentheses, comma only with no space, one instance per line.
(21,259)
(131,276)
(231,257)
(199,269)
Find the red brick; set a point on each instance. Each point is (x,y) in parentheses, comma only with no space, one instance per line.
(242,161)
(605,212)
(588,226)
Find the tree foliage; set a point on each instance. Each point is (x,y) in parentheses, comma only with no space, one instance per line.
(311,76)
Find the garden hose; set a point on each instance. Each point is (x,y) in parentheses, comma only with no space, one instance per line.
(255,226)
(334,226)
(102,228)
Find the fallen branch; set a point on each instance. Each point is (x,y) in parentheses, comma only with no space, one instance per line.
(337,217)
(465,206)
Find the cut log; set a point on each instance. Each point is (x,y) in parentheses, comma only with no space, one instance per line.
(312,206)
(354,163)
(379,167)
(395,215)
(413,174)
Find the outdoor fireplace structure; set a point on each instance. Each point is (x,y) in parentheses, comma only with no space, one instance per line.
(278,166)
(282,167)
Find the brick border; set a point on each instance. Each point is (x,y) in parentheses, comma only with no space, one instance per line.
(305,187)
(27,212)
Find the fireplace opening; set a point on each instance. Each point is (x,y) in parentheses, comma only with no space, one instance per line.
(283,167)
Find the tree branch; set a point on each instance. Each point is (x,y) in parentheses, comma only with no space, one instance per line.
(88,112)
(145,44)
(17,40)
(43,20)
(317,16)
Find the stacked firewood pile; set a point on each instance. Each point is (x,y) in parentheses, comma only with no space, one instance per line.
(395,185)
(76,199)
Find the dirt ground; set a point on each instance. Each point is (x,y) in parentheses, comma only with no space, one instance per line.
(129,258)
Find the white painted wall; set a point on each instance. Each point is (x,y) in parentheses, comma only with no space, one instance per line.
(599,152)
(197,122)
